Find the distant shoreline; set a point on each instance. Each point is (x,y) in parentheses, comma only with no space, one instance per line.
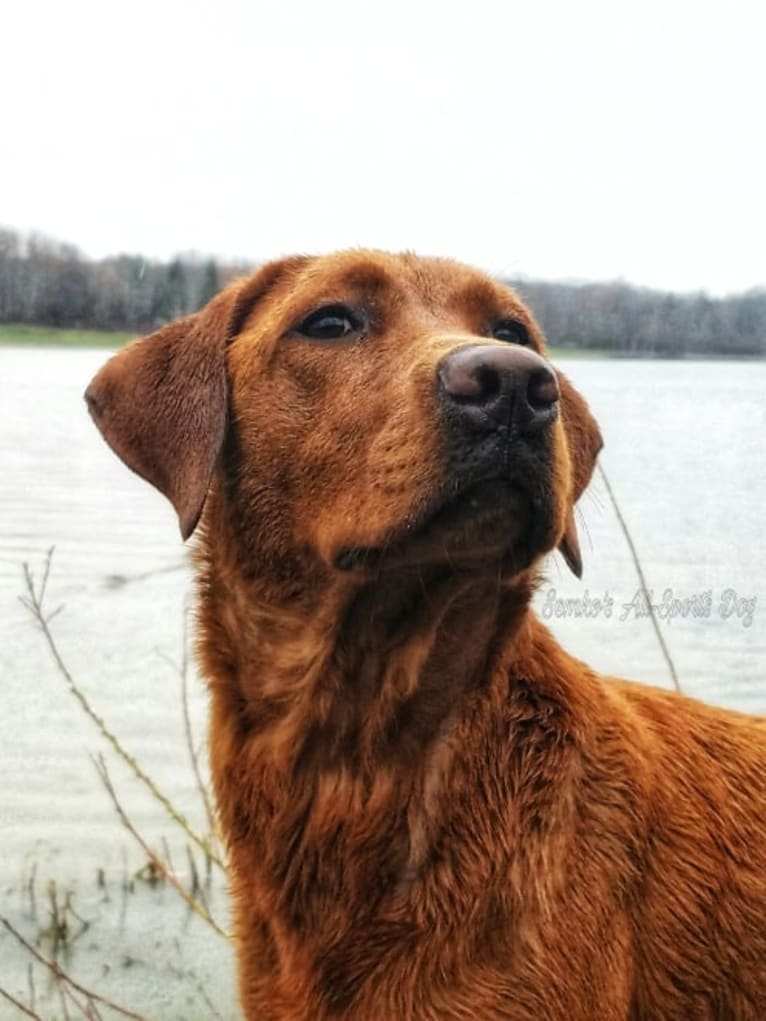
(26,335)
(684,356)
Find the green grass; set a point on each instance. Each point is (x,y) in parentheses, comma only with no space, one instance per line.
(51,336)
(562,353)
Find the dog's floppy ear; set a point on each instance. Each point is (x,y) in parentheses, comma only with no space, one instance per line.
(161,402)
(569,547)
(584,441)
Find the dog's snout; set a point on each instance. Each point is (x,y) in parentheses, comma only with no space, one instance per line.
(488,386)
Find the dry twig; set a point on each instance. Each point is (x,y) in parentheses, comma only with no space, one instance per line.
(63,977)
(17,1003)
(642,579)
(196,904)
(34,601)
(183,673)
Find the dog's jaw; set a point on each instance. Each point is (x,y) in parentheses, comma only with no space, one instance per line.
(490,525)
(499,524)
(326,660)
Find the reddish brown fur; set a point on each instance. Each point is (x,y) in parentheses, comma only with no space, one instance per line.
(432,810)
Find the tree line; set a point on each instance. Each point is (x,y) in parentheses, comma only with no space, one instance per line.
(638,321)
(50,283)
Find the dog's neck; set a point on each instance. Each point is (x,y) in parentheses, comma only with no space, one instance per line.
(341,708)
(343,670)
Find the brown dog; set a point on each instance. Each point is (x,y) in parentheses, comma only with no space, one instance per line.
(432,811)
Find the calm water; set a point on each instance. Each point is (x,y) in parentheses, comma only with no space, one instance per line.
(684,454)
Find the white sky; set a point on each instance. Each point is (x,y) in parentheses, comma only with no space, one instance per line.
(579,139)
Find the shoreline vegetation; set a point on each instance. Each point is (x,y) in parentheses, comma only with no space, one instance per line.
(31,335)
(45,283)
(44,936)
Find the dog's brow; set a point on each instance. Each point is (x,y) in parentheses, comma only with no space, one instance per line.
(481,298)
(367,279)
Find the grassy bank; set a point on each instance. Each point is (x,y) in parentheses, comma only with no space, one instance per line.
(49,336)
(562,353)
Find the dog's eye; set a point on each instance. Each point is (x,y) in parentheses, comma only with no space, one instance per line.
(332,322)
(511,330)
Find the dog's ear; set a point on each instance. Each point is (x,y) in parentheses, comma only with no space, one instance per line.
(584,442)
(161,402)
(569,547)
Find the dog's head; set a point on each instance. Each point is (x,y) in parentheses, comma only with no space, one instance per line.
(371,410)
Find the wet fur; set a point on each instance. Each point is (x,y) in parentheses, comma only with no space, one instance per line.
(432,810)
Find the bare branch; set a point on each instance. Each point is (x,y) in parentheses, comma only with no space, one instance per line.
(17,1003)
(642,579)
(158,864)
(34,602)
(183,673)
(61,976)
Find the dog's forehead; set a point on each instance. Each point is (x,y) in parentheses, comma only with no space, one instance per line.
(435,283)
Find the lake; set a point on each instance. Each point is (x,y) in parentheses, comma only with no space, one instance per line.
(684,455)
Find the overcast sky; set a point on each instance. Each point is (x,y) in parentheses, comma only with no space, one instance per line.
(575,139)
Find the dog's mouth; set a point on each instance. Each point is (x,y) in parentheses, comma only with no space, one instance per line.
(496,519)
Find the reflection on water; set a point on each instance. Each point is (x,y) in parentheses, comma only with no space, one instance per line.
(684,454)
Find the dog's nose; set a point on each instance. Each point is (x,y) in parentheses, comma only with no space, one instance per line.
(488,385)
